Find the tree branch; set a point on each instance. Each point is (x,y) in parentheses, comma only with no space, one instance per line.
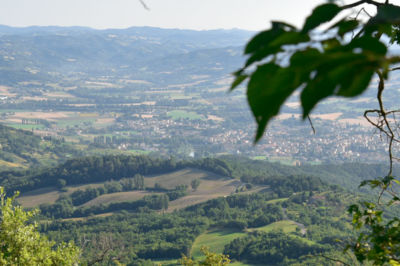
(144,5)
(360,3)
(333,259)
(311,124)
(381,87)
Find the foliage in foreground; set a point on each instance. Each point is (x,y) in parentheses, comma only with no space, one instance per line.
(212,259)
(338,59)
(21,244)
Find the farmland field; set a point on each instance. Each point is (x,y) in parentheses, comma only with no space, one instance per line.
(215,240)
(211,186)
(285,226)
(117,197)
(181,114)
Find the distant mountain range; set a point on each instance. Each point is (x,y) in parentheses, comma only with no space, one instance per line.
(44,52)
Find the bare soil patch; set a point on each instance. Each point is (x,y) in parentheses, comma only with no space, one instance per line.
(33,98)
(355,121)
(133,81)
(5,91)
(117,197)
(39,196)
(293,104)
(103,121)
(286,116)
(208,189)
(59,95)
(40,115)
(48,195)
(181,177)
(330,116)
(215,118)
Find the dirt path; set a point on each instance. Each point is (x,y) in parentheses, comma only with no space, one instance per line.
(303,229)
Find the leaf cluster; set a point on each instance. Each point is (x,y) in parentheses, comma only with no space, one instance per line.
(211,259)
(21,243)
(381,242)
(339,60)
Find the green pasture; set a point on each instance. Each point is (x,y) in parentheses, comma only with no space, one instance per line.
(276,200)
(138,152)
(285,226)
(75,121)
(24,127)
(181,114)
(215,240)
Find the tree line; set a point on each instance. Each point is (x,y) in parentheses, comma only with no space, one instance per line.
(93,169)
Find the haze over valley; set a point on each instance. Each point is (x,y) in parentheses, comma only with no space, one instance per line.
(149,90)
(130,144)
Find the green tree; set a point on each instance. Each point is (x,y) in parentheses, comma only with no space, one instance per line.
(195,184)
(211,259)
(337,52)
(21,244)
(139,181)
(61,183)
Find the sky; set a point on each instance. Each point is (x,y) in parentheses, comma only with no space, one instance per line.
(184,14)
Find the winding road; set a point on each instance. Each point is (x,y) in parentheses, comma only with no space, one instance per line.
(303,229)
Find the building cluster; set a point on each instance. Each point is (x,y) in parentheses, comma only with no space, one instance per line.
(332,142)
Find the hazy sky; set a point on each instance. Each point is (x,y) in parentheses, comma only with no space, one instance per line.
(188,14)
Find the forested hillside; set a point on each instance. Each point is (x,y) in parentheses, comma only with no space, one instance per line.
(308,220)
(100,169)
(296,206)
(129,140)
(91,169)
(22,149)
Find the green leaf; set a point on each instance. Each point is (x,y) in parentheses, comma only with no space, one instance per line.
(275,45)
(375,183)
(331,44)
(316,90)
(363,183)
(305,62)
(396,181)
(305,58)
(358,82)
(262,39)
(386,18)
(395,34)
(261,54)
(268,88)
(290,37)
(345,26)
(367,43)
(337,73)
(387,13)
(320,15)
(282,25)
(238,80)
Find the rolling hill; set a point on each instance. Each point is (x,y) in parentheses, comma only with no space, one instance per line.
(47,53)
(21,149)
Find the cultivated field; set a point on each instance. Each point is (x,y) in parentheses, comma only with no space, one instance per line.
(178,114)
(48,195)
(215,240)
(285,226)
(117,197)
(211,186)
(181,177)
(39,196)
